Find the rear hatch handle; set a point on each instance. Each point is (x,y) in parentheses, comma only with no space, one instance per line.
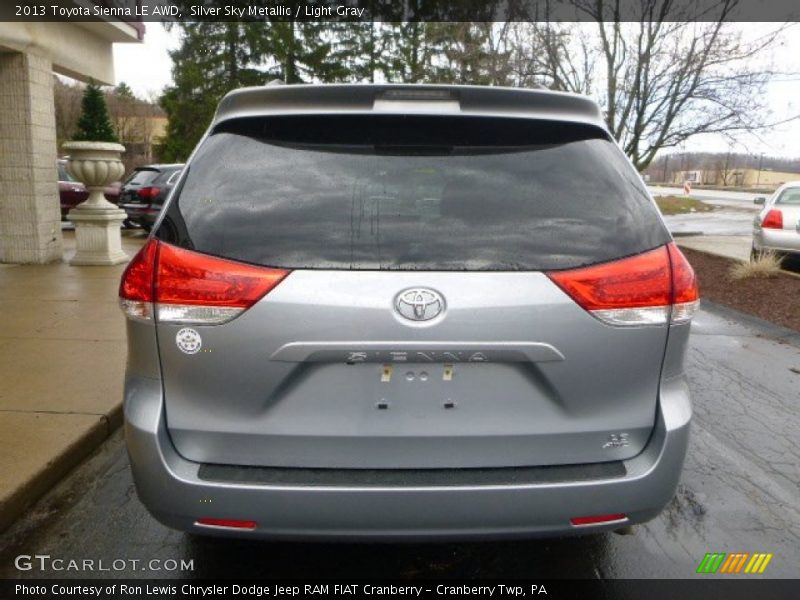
(417,352)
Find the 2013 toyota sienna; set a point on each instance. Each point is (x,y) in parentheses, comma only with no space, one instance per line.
(397,311)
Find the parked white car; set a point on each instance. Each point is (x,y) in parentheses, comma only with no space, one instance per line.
(777,227)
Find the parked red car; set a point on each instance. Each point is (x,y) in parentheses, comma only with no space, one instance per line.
(71,192)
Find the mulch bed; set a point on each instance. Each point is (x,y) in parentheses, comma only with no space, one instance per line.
(776,299)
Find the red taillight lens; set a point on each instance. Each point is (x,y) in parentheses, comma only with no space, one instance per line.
(136,291)
(640,290)
(637,281)
(596,519)
(684,282)
(235,523)
(186,277)
(773,220)
(189,287)
(685,292)
(137,280)
(148,193)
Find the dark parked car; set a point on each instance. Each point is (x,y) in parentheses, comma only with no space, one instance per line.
(72,192)
(144,192)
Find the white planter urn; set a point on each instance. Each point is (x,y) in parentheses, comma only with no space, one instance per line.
(97,221)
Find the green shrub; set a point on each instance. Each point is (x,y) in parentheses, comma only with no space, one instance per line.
(94,124)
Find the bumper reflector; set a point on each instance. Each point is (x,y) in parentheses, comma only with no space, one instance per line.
(234,523)
(597,519)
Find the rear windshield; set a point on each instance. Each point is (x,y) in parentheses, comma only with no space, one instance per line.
(789,196)
(411,193)
(63,174)
(142,176)
(169,177)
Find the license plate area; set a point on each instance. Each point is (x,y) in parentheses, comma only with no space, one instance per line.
(427,378)
(410,373)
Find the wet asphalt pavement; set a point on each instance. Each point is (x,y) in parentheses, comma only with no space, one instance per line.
(719,222)
(738,493)
(733,214)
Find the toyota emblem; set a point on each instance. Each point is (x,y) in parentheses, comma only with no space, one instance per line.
(419,304)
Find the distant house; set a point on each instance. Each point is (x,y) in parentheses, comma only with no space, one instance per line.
(141,127)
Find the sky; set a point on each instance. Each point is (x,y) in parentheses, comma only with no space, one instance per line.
(147,67)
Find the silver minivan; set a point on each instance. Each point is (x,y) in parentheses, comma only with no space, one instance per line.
(402,311)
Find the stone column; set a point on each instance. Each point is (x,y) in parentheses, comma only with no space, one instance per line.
(30,217)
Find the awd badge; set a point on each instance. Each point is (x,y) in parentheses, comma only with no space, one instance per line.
(617,440)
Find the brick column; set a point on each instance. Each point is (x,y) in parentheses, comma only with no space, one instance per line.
(30,217)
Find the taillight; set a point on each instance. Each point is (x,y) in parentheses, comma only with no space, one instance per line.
(181,286)
(685,292)
(136,294)
(148,193)
(647,289)
(773,220)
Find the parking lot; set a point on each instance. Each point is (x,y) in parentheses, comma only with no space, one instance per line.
(738,493)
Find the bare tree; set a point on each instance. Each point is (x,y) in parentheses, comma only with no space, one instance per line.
(67,101)
(150,113)
(677,71)
(726,166)
(474,53)
(559,56)
(123,108)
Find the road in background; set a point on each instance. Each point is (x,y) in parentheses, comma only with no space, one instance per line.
(738,493)
(733,217)
(719,222)
(718,197)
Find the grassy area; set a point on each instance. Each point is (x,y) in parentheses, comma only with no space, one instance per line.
(678,205)
(765,264)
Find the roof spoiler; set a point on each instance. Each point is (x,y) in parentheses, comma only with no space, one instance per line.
(279,99)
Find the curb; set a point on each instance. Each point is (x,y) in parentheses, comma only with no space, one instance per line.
(58,467)
(767,328)
(790,273)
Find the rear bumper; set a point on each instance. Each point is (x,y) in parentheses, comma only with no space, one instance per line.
(141,215)
(176,492)
(779,240)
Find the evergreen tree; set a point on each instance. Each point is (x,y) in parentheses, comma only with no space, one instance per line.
(412,53)
(363,49)
(470,53)
(303,52)
(212,59)
(94,124)
(440,41)
(123,90)
(216,57)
